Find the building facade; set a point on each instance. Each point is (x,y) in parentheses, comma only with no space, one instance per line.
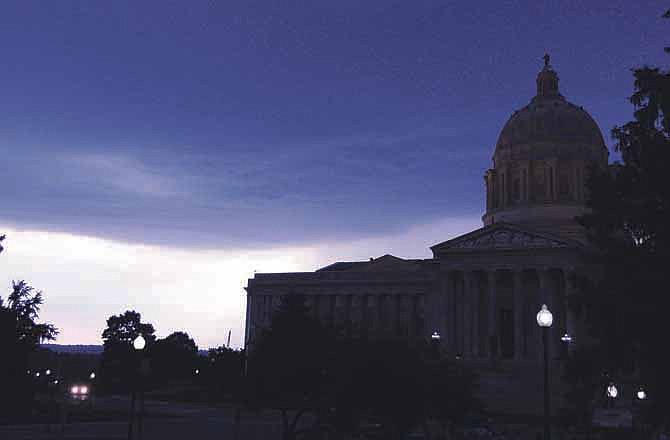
(482,290)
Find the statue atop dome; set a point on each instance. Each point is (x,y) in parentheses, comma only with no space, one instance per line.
(547,80)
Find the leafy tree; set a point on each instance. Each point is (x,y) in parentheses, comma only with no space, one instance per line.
(20,334)
(286,367)
(224,372)
(299,367)
(174,357)
(119,361)
(630,223)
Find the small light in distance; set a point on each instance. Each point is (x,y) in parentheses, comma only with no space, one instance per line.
(48,372)
(74,390)
(83,390)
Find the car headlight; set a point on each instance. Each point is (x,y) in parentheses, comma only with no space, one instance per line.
(74,390)
(83,390)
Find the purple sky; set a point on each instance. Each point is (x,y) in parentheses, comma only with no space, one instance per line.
(263,133)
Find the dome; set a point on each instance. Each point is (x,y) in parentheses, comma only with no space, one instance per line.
(550,126)
(542,161)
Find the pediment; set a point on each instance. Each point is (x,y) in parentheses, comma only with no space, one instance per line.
(503,236)
(388,263)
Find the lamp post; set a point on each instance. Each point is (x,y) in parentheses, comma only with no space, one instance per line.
(139,343)
(544,320)
(435,342)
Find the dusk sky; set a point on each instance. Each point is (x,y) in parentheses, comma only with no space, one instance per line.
(156,154)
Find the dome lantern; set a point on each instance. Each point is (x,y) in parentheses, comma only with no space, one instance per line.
(547,80)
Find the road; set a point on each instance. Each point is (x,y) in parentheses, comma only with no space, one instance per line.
(164,421)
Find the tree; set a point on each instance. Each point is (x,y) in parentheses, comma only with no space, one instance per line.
(174,357)
(20,334)
(224,372)
(118,364)
(299,367)
(287,365)
(630,224)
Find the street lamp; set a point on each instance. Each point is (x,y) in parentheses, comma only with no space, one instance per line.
(612,391)
(92,375)
(435,336)
(544,320)
(641,394)
(139,343)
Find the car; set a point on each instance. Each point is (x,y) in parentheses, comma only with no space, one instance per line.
(80,391)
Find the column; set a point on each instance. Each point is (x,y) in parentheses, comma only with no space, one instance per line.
(492,327)
(473,292)
(418,317)
(309,303)
(518,314)
(248,323)
(447,322)
(339,317)
(467,315)
(391,313)
(371,315)
(356,313)
(569,279)
(407,307)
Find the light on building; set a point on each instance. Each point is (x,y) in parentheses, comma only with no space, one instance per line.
(139,343)
(435,336)
(544,317)
(92,375)
(197,371)
(566,338)
(48,372)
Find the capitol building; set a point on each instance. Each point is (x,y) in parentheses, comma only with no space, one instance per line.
(480,291)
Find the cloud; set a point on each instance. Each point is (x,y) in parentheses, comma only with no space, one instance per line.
(123,173)
(87,279)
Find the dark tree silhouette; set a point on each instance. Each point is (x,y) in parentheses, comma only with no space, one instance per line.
(20,335)
(630,223)
(174,358)
(287,365)
(223,373)
(347,384)
(118,363)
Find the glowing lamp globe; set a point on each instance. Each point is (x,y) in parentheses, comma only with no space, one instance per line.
(92,375)
(612,391)
(641,395)
(139,343)
(544,317)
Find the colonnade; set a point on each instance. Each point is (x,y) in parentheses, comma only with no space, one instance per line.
(394,314)
(479,313)
(492,313)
